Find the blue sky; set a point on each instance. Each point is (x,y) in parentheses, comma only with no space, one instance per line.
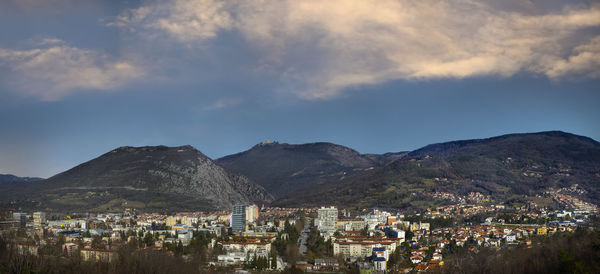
(79,78)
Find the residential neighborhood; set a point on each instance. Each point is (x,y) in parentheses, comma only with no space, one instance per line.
(252,237)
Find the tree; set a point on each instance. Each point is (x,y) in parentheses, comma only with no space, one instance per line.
(97,242)
(409,235)
(148,240)
(179,249)
(292,253)
(273,260)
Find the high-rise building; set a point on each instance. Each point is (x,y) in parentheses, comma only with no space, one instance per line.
(238,218)
(20,217)
(327,218)
(171,221)
(39,218)
(251,213)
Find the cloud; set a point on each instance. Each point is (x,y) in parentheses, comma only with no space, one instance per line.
(185,20)
(584,61)
(323,48)
(223,103)
(55,69)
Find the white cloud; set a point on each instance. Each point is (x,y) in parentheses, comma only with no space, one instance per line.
(584,61)
(321,48)
(56,69)
(185,20)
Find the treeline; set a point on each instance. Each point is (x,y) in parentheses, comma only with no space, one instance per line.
(318,247)
(128,261)
(130,258)
(286,243)
(577,252)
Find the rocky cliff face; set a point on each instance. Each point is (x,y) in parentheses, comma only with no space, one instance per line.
(151,177)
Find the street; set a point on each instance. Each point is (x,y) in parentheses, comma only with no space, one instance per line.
(303,240)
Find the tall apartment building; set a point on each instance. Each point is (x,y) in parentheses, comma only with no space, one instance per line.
(238,218)
(327,218)
(20,217)
(251,213)
(171,221)
(39,218)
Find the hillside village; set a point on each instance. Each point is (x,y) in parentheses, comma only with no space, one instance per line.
(253,238)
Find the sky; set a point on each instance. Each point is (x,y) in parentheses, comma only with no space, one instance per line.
(79,78)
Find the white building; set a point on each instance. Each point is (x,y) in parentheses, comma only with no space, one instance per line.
(245,247)
(354,249)
(39,218)
(326,219)
(251,213)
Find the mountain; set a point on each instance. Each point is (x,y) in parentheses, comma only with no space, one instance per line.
(9,178)
(150,178)
(509,168)
(386,158)
(285,168)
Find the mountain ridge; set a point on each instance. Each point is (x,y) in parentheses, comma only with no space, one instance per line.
(284,168)
(508,167)
(10,178)
(149,177)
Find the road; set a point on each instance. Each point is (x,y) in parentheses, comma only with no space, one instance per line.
(303,240)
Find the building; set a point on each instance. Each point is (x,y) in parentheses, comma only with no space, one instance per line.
(185,236)
(232,258)
(238,218)
(327,219)
(251,213)
(350,224)
(20,217)
(391,220)
(88,254)
(330,264)
(39,218)
(247,247)
(30,249)
(355,249)
(69,248)
(379,263)
(541,231)
(381,252)
(171,221)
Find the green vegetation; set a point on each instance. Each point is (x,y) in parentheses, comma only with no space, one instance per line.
(577,252)
(318,247)
(508,168)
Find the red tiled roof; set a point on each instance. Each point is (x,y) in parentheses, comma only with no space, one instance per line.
(364,243)
(243,243)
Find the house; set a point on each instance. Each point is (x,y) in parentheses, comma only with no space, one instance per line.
(541,231)
(303,265)
(421,267)
(511,238)
(415,259)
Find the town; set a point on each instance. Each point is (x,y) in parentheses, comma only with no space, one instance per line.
(262,238)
